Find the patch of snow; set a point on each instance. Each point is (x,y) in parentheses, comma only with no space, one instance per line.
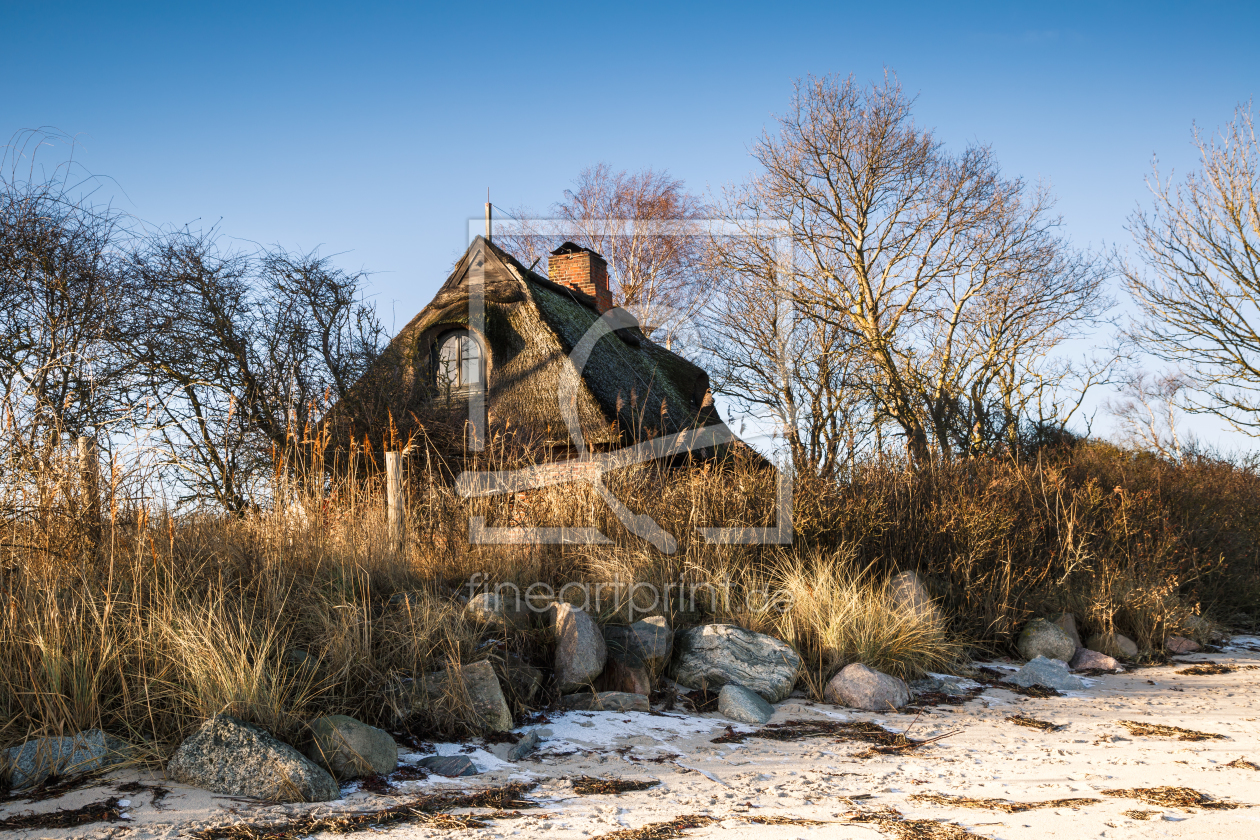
(482,760)
(1247,643)
(604,729)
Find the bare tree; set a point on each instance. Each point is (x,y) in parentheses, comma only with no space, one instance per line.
(951,281)
(648,228)
(59,297)
(1148,412)
(1199,290)
(238,353)
(772,357)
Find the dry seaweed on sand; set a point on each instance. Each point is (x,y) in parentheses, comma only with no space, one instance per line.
(338,824)
(156,792)
(1032,723)
(677,827)
(1243,764)
(1208,669)
(420,810)
(891,820)
(590,785)
(106,811)
(1000,804)
(769,820)
(798,730)
(1139,814)
(1136,728)
(53,787)
(1172,797)
(927,699)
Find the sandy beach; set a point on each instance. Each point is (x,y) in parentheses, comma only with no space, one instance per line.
(762,788)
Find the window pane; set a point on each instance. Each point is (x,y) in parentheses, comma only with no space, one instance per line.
(448,363)
(470,357)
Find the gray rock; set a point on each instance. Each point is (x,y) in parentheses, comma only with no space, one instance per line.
(580,650)
(525,746)
(738,703)
(1050,673)
(229,756)
(1043,638)
(349,748)
(494,608)
(1181,645)
(1086,659)
(1113,644)
(952,686)
(1067,623)
(716,654)
(865,688)
(650,641)
(910,594)
(606,701)
(435,693)
(449,765)
(624,672)
(486,696)
(39,758)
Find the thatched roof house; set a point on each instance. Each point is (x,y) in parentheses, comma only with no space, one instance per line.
(516,362)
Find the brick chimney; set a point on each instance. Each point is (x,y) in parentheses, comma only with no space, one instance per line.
(583,270)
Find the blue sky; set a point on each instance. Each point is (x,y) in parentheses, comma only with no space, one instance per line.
(373,130)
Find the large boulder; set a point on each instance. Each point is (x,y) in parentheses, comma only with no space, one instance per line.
(1113,644)
(1181,645)
(235,758)
(1044,638)
(493,608)
(606,701)
(624,672)
(865,688)
(349,748)
(1048,673)
(486,697)
(446,691)
(1087,660)
(38,759)
(716,654)
(580,649)
(738,703)
(650,641)
(1067,623)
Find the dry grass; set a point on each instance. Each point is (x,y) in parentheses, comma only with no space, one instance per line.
(154,621)
(1243,764)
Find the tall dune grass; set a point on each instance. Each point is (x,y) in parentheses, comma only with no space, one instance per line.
(305,608)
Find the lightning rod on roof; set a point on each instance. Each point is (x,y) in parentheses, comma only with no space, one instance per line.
(488,237)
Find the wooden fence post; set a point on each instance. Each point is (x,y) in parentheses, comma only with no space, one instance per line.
(90,479)
(394,493)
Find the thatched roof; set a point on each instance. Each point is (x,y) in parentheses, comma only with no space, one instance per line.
(631,389)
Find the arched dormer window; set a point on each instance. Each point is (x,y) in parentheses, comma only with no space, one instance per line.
(460,362)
